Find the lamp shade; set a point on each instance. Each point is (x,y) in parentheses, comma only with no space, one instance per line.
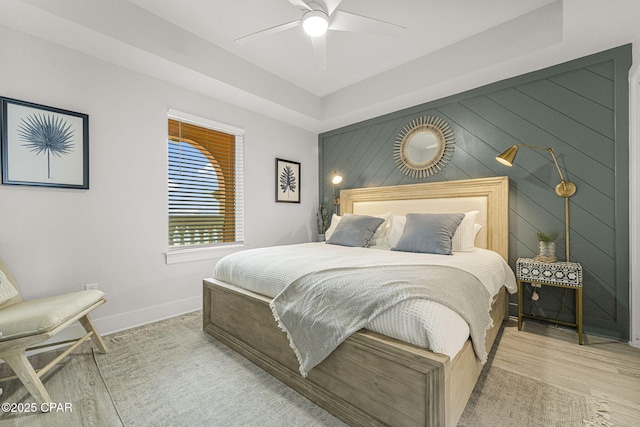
(508,156)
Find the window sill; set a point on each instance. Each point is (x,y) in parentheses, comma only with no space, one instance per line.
(199,254)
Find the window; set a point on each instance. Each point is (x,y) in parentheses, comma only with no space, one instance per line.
(205,182)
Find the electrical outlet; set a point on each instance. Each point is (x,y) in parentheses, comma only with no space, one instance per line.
(90,286)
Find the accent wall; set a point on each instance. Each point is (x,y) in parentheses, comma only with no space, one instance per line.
(581,109)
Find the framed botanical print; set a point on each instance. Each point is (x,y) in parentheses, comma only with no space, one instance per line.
(43,146)
(287,181)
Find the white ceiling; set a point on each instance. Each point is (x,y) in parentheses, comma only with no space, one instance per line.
(352,57)
(448,46)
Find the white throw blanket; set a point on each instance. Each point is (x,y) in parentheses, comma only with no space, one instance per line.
(320,310)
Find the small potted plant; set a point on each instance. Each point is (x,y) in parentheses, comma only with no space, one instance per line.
(547,246)
(322,220)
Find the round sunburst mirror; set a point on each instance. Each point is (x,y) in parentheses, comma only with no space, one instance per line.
(424,147)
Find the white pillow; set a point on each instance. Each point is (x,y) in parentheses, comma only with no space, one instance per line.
(335,219)
(396,227)
(465,236)
(378,237)
(476,230)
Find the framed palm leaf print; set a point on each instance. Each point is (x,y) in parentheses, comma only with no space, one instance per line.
(287,181)
(43,146)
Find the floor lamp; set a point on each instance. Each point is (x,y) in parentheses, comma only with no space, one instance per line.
(565,189)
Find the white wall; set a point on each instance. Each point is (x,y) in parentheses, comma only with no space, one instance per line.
(634,202)
(115,234)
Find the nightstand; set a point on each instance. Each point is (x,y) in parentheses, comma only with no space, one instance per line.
(567,275)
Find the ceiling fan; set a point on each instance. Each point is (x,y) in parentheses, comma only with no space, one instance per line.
(318,16)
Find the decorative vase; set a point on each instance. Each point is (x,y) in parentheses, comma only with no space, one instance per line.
(320,237)
(547,252)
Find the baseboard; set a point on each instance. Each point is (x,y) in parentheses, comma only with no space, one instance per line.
(120,322)
(132,319)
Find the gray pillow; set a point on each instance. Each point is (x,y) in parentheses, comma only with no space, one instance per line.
(429,233)
(355,230)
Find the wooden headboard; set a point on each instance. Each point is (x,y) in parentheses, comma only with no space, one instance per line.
(490,196)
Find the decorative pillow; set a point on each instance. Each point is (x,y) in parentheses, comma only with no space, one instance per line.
(379,235)
(355,230)
(465,236)
(7,291)
(429,233)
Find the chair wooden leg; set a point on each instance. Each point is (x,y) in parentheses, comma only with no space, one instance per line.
(23,369)
(88,326)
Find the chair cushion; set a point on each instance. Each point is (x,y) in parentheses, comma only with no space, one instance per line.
(42,315)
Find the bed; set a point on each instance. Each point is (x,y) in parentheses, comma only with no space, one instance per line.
(372,378)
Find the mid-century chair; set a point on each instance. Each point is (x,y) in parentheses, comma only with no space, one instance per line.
(26,323)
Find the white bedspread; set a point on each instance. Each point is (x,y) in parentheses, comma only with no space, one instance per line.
(427,324)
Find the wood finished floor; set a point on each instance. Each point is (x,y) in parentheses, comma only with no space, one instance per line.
(601,368)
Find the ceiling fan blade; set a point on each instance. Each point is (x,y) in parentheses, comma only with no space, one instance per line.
(331,5)
(268,31)
(320,50)
(347,21)
(300,4)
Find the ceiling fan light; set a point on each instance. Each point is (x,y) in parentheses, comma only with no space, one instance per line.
(315,23)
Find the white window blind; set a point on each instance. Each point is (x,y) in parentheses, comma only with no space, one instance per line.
(205,179)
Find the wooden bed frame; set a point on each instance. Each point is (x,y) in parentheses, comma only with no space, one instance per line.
(371,379)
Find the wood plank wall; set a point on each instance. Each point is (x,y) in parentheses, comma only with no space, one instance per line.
(580,108)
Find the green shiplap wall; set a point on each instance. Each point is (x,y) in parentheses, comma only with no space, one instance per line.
(581,109)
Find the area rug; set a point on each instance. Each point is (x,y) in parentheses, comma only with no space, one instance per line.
(504,398)
(172,373)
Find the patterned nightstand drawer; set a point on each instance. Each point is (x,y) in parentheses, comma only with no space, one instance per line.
(564,273)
